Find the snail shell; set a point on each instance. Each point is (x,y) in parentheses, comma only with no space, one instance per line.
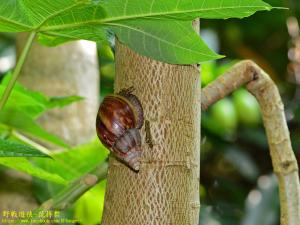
(119,119)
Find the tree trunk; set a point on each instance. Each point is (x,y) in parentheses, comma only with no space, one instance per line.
(166,189)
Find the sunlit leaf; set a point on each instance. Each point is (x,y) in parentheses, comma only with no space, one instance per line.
(24,165)
(62,101)
(70,164)
(15,149)
(24,123)
(175,40)
(73,163)
(161,29)
(33,103)
(89,207)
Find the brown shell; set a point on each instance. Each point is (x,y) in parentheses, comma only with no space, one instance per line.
(118,120)
(128,148)
(116,114)
(107,138)
(137,106)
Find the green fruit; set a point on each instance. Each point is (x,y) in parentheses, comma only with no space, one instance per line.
(108,70)
(224,115)
(208,72)
(247,108)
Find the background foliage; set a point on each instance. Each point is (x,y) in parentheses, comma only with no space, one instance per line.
(237,184)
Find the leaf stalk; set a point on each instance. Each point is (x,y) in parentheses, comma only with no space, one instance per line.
(17,70)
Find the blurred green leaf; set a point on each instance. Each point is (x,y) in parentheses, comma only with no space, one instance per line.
(24,123)
(70,164)
(44,189)
(31,102)
(211,70)
(208,72)
(65,166)
(73,163)
(62,101)
(88,209)
(24,102)
(24,165)
(15,149)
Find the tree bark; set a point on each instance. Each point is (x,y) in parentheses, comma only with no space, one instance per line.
(166,189)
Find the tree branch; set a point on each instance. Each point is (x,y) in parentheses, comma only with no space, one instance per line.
(76,189)
(17,70)
(284,162)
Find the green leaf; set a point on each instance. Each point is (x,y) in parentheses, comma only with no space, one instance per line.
(25,15)
(118,10)
(62,101)
(65,166)
(171,40)
(163,29)
(25,102)
(73,163)
(24,123)
(33,103)
(160,29)
(15,149)
(24,165)
(91,204)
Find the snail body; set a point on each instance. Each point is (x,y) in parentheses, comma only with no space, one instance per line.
(119,119)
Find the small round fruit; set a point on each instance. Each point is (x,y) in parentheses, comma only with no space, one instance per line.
(247,108)
(223,113)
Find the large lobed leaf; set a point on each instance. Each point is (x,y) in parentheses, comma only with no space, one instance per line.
(160,29)
(181,9)
(27,15)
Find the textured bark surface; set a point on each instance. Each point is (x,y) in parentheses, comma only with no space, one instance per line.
(166,189)
(69,69)
(284,161)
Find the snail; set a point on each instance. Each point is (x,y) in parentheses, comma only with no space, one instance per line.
(119,119)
